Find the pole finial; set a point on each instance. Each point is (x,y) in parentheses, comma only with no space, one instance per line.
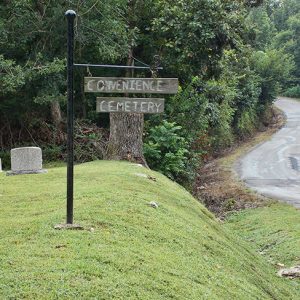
(70,13)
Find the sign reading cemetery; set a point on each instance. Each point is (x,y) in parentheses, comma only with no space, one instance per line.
(131,85)
(131,105)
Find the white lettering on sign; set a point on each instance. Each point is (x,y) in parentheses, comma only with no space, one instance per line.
(157,106)
(151,106)
(130,105)
(120,106)
(143,107)
(111,105)
(131,85)
(101,105)
(127,106)
(89,85)
(100,85)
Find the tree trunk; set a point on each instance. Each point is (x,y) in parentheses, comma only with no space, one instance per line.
(126,129)
(126,137)
(56,113)
(126,133)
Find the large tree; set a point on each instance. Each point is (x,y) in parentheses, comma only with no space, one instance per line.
(33,57)
(189,36)
(126,129)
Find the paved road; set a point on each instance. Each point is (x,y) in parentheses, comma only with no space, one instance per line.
(273,168)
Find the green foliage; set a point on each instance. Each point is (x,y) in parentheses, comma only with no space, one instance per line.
(53,153)
(189,108)
(193,34)
(285,15)
(5,158)
(220,50)
(245,86)
(165,150)
(247,123)
(12,76)
(293,92)
(33,52)
(274,67)
(220,112)
(263,27)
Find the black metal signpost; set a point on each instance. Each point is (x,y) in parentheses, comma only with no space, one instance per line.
(71,15)
(148,106)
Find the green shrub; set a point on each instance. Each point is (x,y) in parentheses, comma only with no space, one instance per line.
(166,151)
(274,68)
(246,123)
(293,92)
(53,153)
(5,158)
(188,108)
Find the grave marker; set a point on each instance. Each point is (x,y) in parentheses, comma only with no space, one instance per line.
(26,160)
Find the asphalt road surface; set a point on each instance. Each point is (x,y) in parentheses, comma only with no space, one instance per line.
(273,167)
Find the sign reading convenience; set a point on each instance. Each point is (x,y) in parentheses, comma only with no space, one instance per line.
(131,105)
(131,85)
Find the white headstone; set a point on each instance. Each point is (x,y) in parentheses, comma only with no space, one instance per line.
(0,165)
(26,160)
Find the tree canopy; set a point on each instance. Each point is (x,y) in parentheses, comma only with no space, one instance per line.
(232,59)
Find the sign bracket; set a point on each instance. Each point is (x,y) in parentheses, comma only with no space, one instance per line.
(116,66)
(156,103)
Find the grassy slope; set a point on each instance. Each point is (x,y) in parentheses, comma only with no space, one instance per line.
(177,251)
(274,230)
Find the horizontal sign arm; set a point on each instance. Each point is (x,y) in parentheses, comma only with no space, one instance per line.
(117,67)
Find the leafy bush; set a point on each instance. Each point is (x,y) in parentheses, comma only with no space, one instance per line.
(246,123)
(5,158)
(166,151)
(89,142)
(293,92)
(189,108)
(274,67)
(53,153)
(220,95)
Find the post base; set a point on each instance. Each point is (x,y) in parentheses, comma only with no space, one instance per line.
(69,227)
(13,173)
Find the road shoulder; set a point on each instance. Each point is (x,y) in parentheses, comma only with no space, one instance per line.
(218,185)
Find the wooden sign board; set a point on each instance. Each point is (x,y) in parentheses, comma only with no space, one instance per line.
(131,105)
(131,85)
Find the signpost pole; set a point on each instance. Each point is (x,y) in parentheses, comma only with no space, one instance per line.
(70,14)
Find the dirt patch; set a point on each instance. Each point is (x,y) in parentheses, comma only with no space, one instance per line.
(217,184)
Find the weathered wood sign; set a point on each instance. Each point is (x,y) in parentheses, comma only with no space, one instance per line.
(131,85)
(131,105)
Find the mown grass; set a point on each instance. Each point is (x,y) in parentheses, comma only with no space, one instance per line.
(274,230)
(177,251)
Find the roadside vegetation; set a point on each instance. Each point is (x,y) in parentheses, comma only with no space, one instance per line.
(217,184)
(232,58)
(274,230)
(269,226)
(128,250)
